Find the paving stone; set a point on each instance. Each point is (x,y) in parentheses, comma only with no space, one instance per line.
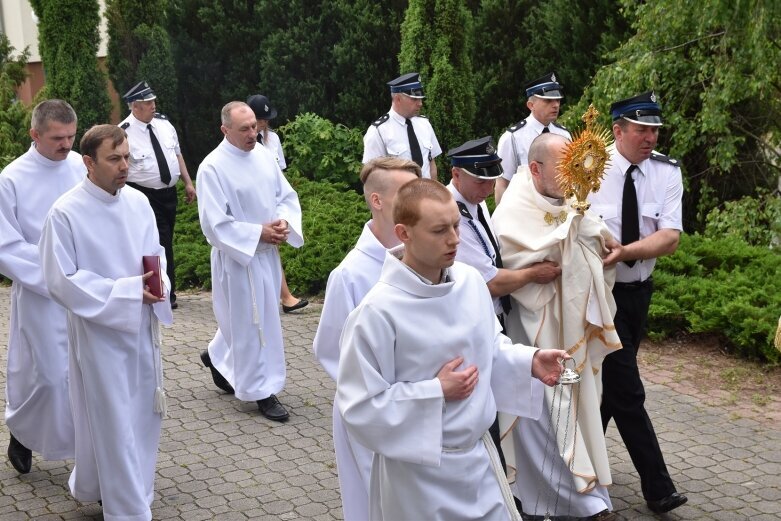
(220,459)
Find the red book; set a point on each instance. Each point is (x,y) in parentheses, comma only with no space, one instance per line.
(155,282)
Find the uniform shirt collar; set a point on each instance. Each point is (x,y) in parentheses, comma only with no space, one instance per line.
(623,163)
(460,199)
(536,125)
(134,121)
(395,116)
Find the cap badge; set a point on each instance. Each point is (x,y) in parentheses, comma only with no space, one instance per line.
(489,149)
(553,78)
(653,97)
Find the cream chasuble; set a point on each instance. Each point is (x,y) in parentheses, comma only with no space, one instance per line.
(574,312)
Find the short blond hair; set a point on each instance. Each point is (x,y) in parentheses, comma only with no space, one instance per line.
(406,207)
(389,163)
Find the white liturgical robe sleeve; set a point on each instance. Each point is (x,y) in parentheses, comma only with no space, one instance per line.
(114,303)
(233,206)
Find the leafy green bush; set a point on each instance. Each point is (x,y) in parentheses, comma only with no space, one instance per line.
(756,220)
(723,286)
(333,217)
(191,251)
(320,150)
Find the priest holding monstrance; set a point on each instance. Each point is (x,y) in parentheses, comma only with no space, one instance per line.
(560,460)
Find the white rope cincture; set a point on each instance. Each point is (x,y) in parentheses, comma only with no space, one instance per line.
(255,313)
(160,402)
(504,485)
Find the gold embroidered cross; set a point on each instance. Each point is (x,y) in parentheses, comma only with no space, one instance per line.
(559,218)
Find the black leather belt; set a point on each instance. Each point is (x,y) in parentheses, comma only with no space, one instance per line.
(634,285)
(147,190)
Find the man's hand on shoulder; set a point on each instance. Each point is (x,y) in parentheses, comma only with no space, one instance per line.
(457,385)
(547,366)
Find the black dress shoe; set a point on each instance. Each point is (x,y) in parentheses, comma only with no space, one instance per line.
(20,456)
(605,515)
(272,409)
(668,503)
(174,305)
(219,380)
(302,303)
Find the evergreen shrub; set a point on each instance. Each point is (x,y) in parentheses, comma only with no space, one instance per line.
(723,286)
(333,217)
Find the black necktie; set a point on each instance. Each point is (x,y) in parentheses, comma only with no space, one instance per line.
(505,299)
(162,162)
(414,146)
(630,221)
(545,130)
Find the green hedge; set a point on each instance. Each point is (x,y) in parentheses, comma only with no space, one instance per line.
(333,216)
(723,286)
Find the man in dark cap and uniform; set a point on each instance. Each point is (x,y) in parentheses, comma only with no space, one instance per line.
(544,100)
(640,201)
(403,132)
(156,164)
(476,167)
(475,170)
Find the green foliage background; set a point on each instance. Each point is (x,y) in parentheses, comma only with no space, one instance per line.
(436,40)
(714,67)
(333,213)
(723,286)
(333,217)
(72,71)
(14,116)
(139,48)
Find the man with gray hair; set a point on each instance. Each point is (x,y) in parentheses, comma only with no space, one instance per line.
(246,209)
(156,165)
(37,408)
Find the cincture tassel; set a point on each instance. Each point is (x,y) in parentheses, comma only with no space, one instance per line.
(255,313)
(160,404)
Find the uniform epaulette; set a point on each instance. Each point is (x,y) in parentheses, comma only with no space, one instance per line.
(382,119)
(517,126)
(124,125)
(160,116)
(422,116)
(562,127)
(656,156)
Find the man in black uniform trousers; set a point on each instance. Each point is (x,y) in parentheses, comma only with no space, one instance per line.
(156,164)
(640,201)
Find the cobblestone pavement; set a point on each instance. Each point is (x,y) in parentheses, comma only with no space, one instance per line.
(219,459)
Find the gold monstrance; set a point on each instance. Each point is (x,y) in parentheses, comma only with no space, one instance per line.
(584,162)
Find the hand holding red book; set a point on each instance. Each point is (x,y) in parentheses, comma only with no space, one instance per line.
(155,282)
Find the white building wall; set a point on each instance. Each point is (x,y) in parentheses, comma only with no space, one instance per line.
(20,24)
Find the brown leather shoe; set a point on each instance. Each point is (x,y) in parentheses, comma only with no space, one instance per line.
(605,515)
